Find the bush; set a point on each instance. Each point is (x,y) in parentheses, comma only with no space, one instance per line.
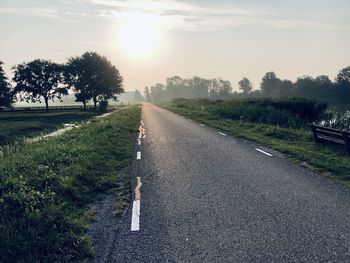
(305,109)
(254,113)
(338,120)
(103,105)
(290,113)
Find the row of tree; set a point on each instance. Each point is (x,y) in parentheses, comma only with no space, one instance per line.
(90,76)
(320,88)
(195,87)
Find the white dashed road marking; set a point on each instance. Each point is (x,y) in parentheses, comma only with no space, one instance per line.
(266,153)
(135,218)
(201,124)
(138,156)
(223,134)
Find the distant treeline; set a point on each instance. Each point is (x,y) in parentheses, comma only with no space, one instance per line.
(90,76)
(320,88)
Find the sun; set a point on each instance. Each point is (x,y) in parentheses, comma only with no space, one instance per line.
(138,35)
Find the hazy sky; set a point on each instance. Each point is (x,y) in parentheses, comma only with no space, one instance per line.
(151,40)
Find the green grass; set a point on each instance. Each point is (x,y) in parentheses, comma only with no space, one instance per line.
(47,188)
(298,144)
(16,125)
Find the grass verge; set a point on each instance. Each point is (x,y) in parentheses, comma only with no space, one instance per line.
(16,125)
(46,188)
(298,144)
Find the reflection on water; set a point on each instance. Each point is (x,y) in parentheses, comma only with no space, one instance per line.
(67,127)
(339,120)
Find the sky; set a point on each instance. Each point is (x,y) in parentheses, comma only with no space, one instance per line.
(149,41)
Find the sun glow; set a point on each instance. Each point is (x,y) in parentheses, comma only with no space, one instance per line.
(139,34)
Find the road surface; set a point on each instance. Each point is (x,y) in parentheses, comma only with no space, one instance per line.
(207,197)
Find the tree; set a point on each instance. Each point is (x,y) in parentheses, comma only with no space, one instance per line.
(147,94)
(39,79)
(214,89)
(343,76)
(138,96)
(6,96)
(343,86)
(175,88)
(200,87)
(76,77)
(245,86)
(325,88)
(286,88)
(270,85)
(93,76)
(225,89)
(157,92)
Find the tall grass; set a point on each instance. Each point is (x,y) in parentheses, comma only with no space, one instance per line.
(290,113)
(338,120)
(45,187)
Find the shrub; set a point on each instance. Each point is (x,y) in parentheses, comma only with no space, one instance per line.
(305,109)
(338,120)
(103,105)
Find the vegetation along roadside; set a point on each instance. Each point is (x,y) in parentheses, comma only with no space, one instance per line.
(46,188)
(275,123)
(16,125)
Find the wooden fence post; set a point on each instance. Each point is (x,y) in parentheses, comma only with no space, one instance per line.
(314,132)
(347,141)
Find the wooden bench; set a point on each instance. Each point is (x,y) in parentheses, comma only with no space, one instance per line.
(322,133)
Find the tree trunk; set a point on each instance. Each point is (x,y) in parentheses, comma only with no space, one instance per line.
(95,103)
(84,103)
(47,104)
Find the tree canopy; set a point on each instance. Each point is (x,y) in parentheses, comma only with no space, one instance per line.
(6,95)
(93,76)
(138,96)
(146,94)
(195,87)
(39,80)
(320,88)
(245,86)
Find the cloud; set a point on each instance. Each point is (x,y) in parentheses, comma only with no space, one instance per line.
(216,16)
(35,11)
(180,15)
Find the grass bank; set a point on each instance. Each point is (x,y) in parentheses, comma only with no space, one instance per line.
(16,125)
(46,188)
(297,143)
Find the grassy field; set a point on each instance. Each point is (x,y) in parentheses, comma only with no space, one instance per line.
(46,188)
(16,125)
(297,143)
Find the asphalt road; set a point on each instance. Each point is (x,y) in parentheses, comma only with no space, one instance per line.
(206,197)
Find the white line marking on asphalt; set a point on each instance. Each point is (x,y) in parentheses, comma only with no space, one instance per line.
(223,134)
(201,124)
(138,188)
(138,156)
(189,119)
(135,219)
(266,153)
